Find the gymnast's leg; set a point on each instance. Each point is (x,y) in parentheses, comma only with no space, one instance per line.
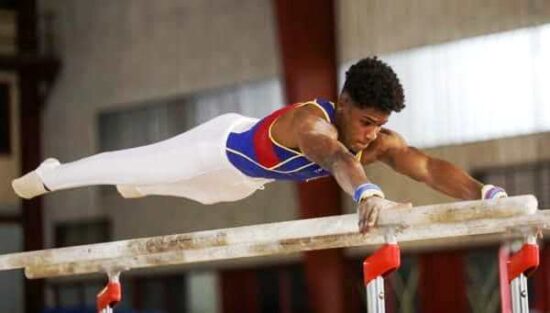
(182,157)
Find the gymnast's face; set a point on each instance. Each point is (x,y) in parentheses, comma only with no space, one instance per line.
(358,127)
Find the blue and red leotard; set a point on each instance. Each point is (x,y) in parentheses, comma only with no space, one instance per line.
(255,153)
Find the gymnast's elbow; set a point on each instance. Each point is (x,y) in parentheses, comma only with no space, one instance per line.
(326,151)
(338,160)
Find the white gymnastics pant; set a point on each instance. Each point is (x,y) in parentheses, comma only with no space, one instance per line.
(193,165)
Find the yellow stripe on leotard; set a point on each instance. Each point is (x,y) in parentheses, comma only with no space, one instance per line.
(297,152)
(268,168)
(358,155)
(314,102)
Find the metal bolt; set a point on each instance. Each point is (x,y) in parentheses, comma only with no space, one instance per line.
(523,293)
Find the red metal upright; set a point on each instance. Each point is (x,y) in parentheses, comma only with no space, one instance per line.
(504,282)
(110,296)
(513,270)
(383,262)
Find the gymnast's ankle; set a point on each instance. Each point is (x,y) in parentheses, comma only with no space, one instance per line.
(31,184)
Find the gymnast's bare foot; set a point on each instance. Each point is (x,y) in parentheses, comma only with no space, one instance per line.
(31,185)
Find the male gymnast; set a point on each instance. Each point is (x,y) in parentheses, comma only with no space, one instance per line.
(231,156)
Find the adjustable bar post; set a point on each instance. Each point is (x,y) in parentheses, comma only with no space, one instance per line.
(517,267)
(384,261)
(110,295)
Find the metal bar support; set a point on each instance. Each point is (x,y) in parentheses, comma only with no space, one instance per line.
(384,261)
(518,289)
(515,268)
(111,294)
(375,296)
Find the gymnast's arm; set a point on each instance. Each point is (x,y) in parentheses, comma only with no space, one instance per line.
(318,140)
(436,173)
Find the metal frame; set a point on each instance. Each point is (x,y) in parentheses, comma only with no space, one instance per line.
(384,261)
(111,295)
(491,220)
(514,269)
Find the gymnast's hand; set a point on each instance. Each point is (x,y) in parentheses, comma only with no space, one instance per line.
(492,192)
(369,208)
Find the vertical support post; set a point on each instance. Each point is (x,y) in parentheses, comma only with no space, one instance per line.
(520,301)
(375,296)
(110,295)
(505,300)
(383,262)
(522,263)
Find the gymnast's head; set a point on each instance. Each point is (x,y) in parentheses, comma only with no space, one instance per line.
(371,92)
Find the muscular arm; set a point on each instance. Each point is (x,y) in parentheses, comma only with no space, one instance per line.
(318,140)
(436,173)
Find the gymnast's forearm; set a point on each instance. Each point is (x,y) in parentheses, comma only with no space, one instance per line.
(347,170)
(453,181)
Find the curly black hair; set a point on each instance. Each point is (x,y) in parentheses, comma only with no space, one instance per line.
(373,83)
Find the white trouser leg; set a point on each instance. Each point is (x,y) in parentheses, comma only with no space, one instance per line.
(190,154)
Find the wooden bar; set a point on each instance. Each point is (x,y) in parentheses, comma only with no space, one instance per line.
(433,222)
(492,232)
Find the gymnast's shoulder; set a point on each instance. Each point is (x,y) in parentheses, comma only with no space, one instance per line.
(390,139)
(387,142)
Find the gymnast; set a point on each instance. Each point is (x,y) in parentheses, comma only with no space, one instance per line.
(231,156)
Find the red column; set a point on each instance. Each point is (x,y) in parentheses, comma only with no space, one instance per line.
(355,296)
(307,47)
(30,102)
(307,44)
(542,281)
(442,286)
(285,292)
(240,291)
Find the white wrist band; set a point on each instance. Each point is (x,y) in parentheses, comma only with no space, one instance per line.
(492,192)
(367,190)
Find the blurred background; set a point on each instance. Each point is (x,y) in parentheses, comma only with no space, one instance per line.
(78,77)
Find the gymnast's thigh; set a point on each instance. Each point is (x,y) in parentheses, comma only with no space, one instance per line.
(209,188)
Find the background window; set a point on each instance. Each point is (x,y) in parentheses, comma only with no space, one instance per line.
(474,89)
(82,233)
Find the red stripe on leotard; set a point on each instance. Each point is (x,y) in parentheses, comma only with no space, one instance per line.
(263,146)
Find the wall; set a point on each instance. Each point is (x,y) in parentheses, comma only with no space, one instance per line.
(9,164)
(381,26)
(11,288)
(8,34)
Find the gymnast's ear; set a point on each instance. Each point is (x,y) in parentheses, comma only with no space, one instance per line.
(344,101)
